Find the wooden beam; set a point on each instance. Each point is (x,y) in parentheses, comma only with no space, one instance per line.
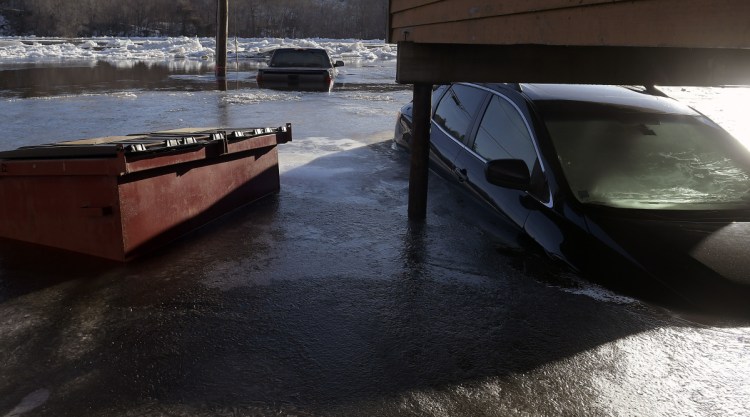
(643,23)
(417,13)
(446,63)
(401,5)
(420,152)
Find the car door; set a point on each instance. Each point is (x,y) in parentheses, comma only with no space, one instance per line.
(502,133)
(452,122)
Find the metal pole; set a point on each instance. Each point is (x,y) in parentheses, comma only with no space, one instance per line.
(222,30)
(420,151)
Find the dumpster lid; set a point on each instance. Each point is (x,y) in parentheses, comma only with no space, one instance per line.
(110,146)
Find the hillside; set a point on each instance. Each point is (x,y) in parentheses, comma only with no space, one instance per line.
(362,19)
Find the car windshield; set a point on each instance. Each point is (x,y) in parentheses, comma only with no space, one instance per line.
(300,58)
(633,159)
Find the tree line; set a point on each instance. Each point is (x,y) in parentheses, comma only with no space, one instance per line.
(360,19)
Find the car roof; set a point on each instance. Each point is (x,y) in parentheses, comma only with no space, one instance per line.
(620,96)
(299,49)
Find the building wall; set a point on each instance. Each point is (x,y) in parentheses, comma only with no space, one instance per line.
(645,23)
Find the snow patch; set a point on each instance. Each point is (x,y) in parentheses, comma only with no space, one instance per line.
(257,97)
(184,47)
(368,97)
(601,294)
(125,94)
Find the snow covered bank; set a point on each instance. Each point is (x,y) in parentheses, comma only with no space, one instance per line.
(25,49)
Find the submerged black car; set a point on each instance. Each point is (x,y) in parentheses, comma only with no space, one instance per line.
(624,184)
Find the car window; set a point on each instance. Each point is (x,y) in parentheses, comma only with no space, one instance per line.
(650,161)
(503,134)
(437,92)
(458,108)
(300,58)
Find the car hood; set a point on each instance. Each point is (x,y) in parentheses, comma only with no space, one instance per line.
(298,69)
(679,249)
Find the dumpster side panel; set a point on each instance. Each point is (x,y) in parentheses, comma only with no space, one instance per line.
(160,205)
(76,213)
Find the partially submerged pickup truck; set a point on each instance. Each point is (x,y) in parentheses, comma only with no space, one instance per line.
(299,69)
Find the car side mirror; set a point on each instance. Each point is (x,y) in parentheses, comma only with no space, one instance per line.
(339,64)
(508,173)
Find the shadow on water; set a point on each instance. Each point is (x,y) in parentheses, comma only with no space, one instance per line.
(27,268)
(322,300)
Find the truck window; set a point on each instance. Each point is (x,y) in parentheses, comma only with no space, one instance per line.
(300,58)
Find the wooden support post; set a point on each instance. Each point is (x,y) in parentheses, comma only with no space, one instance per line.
(420,151)
(222,30)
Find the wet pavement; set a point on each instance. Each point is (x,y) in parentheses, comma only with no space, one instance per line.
(325,300)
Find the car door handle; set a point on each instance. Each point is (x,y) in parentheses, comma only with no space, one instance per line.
(461,174)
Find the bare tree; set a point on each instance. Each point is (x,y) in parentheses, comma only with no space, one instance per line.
(248,18)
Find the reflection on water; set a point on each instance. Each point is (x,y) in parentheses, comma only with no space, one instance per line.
(46,79)
(33,80)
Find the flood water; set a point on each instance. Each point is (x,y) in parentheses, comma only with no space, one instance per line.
(45,80)
(325,299)
(35,80)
